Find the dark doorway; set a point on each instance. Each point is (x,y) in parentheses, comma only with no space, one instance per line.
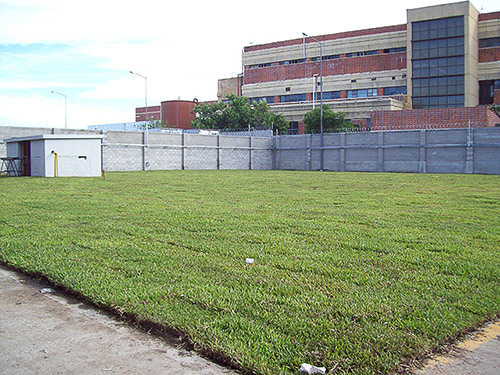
(25,158)
(486,92)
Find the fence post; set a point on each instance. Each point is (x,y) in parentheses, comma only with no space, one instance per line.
(422,168)
(218,151)
(250,153)
(380,152)
(182,151)
(469,161)
(342,152)
(143,151)
(309,159)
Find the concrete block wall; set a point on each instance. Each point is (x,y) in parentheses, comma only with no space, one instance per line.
(419,151)
(475,150)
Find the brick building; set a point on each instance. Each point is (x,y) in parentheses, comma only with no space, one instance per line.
(176,112)
(444,56)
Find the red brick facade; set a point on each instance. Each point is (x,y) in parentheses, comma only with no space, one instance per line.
(480,116)
(489,54)
(348,34)
(153,113)
(347,65)
(496,96)
(178,113)
(489,16)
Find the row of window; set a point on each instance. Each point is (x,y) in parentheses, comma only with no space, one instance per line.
(438,48)
(440,28)
(439,101)
(489,42)
(361,93)
(260,65)
(444,66)
(329,57)
(289,62)
(328,95)
(453,85)
(363,53)
(268,99)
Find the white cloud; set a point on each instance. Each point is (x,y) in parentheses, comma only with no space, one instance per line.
(43,111)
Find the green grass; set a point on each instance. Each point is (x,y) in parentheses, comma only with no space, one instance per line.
(357,272)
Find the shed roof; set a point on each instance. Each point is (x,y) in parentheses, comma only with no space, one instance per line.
(53,136)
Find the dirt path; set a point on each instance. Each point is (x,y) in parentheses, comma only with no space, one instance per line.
(479,355)
(50,333)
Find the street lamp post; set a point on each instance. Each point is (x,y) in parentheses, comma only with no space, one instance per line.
(321,97)
(144,163)
(65,108)
(145,96)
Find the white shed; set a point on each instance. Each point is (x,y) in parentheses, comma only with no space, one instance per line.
(50,155)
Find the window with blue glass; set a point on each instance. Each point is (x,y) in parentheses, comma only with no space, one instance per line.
(361,93)
(438,63)
(329,57)
(265,65)
(289,62)
(362,53)
(268,99)
(395,50)
(292,98)
(398,90)
(329,95)
(489,42)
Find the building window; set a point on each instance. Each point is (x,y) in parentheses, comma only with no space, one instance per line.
(294,127)
(436,29)
(329,57)
(362,93)
(268,99)
(363,53)
(440,67)
(399,90)
(426,49)
(260,65)
(394,50)
(329,95)
(289,62)
(439,101)
(438,63)
(489,42)
(292,98)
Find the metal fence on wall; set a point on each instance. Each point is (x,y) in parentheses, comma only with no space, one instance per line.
(459,150)
(465,150)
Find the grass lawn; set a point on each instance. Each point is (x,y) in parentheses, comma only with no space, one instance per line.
(355,272)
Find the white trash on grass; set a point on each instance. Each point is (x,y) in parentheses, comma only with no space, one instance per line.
(310,369)
(249,261)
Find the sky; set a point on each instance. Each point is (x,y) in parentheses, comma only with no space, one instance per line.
(86,49)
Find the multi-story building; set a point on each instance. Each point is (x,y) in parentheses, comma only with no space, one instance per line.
(444,56)
(177,113)
(226,86)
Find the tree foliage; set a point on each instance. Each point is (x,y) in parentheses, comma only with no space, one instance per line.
(236,113)
(332,121)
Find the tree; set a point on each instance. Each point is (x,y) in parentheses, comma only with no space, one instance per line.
(236,113)
(332,121)
(265,118)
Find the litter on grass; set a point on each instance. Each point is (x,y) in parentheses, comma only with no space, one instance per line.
(249,260)
(310,369)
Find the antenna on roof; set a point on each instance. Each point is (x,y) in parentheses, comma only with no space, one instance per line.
(304,44)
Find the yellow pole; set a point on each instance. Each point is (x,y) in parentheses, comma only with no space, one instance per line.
(56,165)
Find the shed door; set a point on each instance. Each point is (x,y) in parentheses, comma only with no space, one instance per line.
(26,158)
